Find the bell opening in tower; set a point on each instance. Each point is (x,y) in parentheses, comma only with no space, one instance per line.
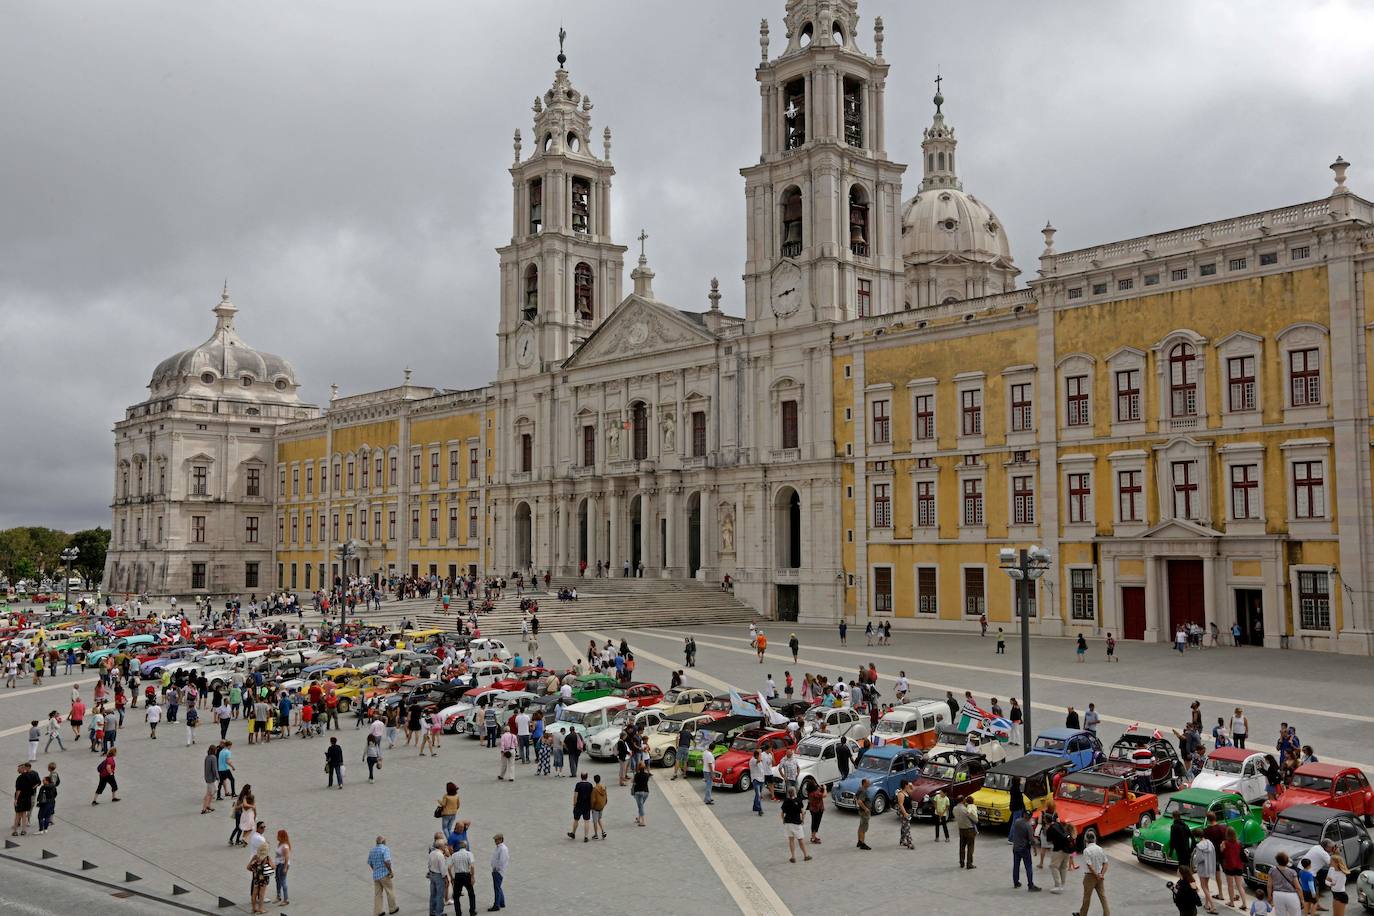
(858,221)
(853,112)
(581,205)
(791,222)
(794,113)
(536,206)
(531,309)
(582,291)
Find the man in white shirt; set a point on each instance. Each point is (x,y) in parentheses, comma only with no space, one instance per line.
(1094,879)
(256,840)
(758,776)
(708,771)
(565,693)
(1320,857)
(522,734)
(500,861)
(462,875)
(900,687)
(437,873)
(772,691)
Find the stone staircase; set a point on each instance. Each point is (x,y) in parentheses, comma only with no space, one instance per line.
(601,603)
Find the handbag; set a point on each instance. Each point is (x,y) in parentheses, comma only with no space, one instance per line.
(438,810)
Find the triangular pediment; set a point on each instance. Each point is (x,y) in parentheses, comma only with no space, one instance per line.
(1179,528)
(638,327)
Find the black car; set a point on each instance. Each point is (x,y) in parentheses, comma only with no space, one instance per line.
(1167,772)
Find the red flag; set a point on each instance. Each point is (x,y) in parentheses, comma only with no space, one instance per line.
(1158,734)
(1133,727)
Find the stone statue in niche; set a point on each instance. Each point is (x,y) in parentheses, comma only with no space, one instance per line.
(613,441)
(727,530)
(669,433)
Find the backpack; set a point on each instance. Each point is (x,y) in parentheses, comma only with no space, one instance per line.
(598,797)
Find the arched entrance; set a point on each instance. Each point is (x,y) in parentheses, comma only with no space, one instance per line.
(636,536)
(693,534)
(787,528)
(582,534)
(524,536)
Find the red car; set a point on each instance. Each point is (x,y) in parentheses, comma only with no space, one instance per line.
(1100,804)
(732,767)
(643,694)
(1328,785)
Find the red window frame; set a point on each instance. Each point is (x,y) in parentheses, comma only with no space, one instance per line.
(1182,380)
(1128,490)
(1080,497)
(925,417)
(1185,489)
(1309,489)
(1305,377)
(1240,383)
(882,423)
(1076,401)
(1023,500)
(1022,418)
(1244,491)
(1127,395)
(925,504)
(882,505)
(973,502)
(971,406)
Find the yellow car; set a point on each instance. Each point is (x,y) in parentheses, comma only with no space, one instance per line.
(1036,773)
(683,699)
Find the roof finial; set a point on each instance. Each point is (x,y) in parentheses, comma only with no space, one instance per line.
(643,236)
(714,295)
(878,39)
(1339,167)
(224,296)
(939,99)
(562,58)
(763,39)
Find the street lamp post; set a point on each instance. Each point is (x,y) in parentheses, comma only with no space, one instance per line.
(347,550)
(1025,566)
(68,556)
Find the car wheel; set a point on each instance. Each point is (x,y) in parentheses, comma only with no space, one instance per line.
(1369,820)
(344,704)
(670,757)
(879,803)
(745,782)
(1146,819)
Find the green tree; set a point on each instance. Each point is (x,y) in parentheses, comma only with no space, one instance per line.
(91,545)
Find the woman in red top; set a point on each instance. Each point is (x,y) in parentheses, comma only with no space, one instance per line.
(106,771)
(1233,866)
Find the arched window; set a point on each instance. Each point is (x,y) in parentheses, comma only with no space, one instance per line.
(639,420)
(581,205)
(941,159)
(1182,381)
(930,162)
(858,220)
(582,290)
(791,222)
(531,292)
(536,206)
(794,114)
(853,109)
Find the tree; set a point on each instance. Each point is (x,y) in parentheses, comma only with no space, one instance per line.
(91,545)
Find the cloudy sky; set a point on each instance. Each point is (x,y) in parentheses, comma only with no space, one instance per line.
(344,165)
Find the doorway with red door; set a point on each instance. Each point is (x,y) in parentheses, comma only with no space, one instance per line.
(1187,597)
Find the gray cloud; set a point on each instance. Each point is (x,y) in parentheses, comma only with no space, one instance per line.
(344,164)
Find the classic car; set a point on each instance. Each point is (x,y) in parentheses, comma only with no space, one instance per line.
(818,761)
(662,741)
(588,717)
(885,767)
(591,686)
(1364,889)
(601,745)
(732,767)
(466,714)
(956,773)
(488,649)
(1328,785)
(1299,828)
(953,738)
(685,699)
(717,735)
(643,694)
(1167,770)
(912,725)
(836,720)
(1234,769)
(1100,804)
(1036,773)
(1152,843)
(153,667)
(1078,744)
(482,674)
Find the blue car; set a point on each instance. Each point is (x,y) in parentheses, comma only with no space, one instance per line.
(1079,745)
(885,768)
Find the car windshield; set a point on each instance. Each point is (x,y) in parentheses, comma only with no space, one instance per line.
(670,726)
(1315,783)
(1088,795)
(1298,830)
(575,718)
(1049,744)
(995,780)
(875,764)
(810,748)
(938,771)
(1217,765)
(672,696)
(1192,811)
(1123,751)
(891,726)
(744,744)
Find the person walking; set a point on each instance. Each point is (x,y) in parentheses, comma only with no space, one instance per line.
(106,771)
(1062,840)
(792,808)
(436,872)
(462,875)
(1095,867)
(639,791)
(844,632)
(708,772)
(815,805)
(966,823)
(210,768)
(1081,650)
(225,764)
(795,645)
(572,749)
(54,731)
(865,812)
(334,763)
(508,747)
(500,862)
(383,877)
(1282,884)
(447,807)
(1021,844)
(372,756)
(582,808)
(939,803)
(153,715)
(1204,865)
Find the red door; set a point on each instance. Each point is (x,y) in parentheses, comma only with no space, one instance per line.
(1133,612)
(1186,604)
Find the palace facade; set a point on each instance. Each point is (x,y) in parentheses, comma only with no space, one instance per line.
(1182,418)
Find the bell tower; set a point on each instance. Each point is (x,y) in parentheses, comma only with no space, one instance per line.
(561,273)
(823,204)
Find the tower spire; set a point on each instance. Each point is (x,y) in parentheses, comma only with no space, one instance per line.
(562,58)
(937,147)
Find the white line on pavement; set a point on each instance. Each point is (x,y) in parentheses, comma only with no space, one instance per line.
(938,686)
(751,891)
(56,685)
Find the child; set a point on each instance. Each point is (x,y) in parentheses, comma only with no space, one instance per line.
(1261,905)
(1111,648)
(1001,642)
(1307,880)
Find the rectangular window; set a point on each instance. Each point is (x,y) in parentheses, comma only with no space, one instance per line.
(1238,263)
(1082,605)
(1314,600)
(250,529)
(1305,377)
(536,205)
(415,469)
(472,521)
(377,525)
(588,446)
(281,481)
(350,474)
(865,297)
(123,531)
(250,575)
(254,483)
(526,452)
(472,464)
(434,524)
(348,527)
(380,486)
(974,603)
(1152,279)
(1309,490)
(452,523)
(1023,500)
(1076,400)
(1207,270)
(1178,273)
(698,434)
(365,465)
(1099,289)
(1240,382)
(200,481)
(295,481)
(1080,498)
(453,465)
(337,475)
(309,480)
(882,590)
(973,502)
(392,476)
(197,575)
(882,505)
(1076,292)
(434,465)
(1128,490)
(1244,491)
(293,575)
(159,529)
(1299,253)
(415,524)
(334,526)
(882,423)
(1182,381)
(197,529)
(1021,408)
(309,526)
(925,504)
(927,599)
(925,417)
(1123,285)
(391,525)
(322,538)
(1269,257)
(789,424)
(971,400)
(1183,475)
(138,530)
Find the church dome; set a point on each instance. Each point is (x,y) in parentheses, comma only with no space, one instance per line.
(941,221)
(224,363)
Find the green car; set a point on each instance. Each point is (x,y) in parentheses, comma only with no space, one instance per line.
(593,686)
(1151,845)
(721,732)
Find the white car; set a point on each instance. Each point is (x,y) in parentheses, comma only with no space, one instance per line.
(817,760)
(1234,769)
(487,649)
(601,745)
(486,673)
(841,721)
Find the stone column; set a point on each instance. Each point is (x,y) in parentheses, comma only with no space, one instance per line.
(670,512)
(613,548)
(646,521)
(1151,600)
(1209,593)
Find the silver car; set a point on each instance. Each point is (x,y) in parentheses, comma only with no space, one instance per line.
(1301,827)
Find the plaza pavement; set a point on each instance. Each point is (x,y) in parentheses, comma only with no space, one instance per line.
(690,858)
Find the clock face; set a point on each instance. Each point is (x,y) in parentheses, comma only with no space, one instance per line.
(787,290)
(524,347)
